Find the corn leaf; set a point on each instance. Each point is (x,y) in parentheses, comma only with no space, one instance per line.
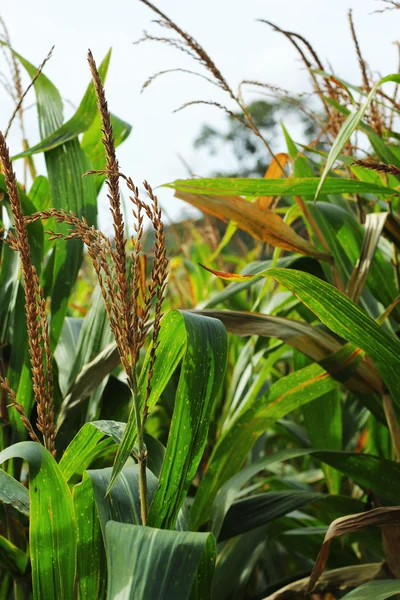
(52,527)
(255,511)
(202,374)
(330,581)
(13,493)
(156,564)
(231,449)
(379,516)
(91,561)
(78,123)
(122,504)
(202,344)
(303,186)
(262,224)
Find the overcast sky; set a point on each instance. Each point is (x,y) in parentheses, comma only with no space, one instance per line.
(241,47)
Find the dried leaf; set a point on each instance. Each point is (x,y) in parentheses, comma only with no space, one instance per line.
(262,224)
(274,171)
(388,516)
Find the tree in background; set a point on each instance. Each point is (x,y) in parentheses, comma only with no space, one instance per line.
(247,150)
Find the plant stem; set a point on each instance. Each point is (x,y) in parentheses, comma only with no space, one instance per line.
(142,451)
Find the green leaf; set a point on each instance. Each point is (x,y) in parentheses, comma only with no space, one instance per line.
(91,563)
(14,493)
(348,127)
(156,564)
(12,559)
(374,590)
(305,186)
(65,164)
(94,335)
(94,148)
(78,123)
(171,348)
(229,491)
(122,504)
(323,423)
(346,319)
(374,473)
(250,513)
(312,341)
(52,527)
(82,449)
(202,374)
(235,443)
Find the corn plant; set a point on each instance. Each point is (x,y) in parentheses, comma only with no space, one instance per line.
(163,461)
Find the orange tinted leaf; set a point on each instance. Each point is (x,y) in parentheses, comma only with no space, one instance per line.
(228,276)
(274,171)
(262,224)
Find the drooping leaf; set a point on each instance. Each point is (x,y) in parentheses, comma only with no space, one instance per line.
(249,513)
(82,448)
(345,319)
(330,581)
(311,341)
(378,516)
(262,224)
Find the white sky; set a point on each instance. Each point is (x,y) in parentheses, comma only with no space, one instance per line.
(241,48)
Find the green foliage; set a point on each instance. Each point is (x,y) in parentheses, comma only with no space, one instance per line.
(265,410)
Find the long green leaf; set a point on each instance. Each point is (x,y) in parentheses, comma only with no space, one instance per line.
(12,559)
(202,374)
(287,394)
(82,448)
(249,513)
(91,563)
(346,319)
(305,186)
(52,527)
(156,564)
(78,123)
(69,190)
